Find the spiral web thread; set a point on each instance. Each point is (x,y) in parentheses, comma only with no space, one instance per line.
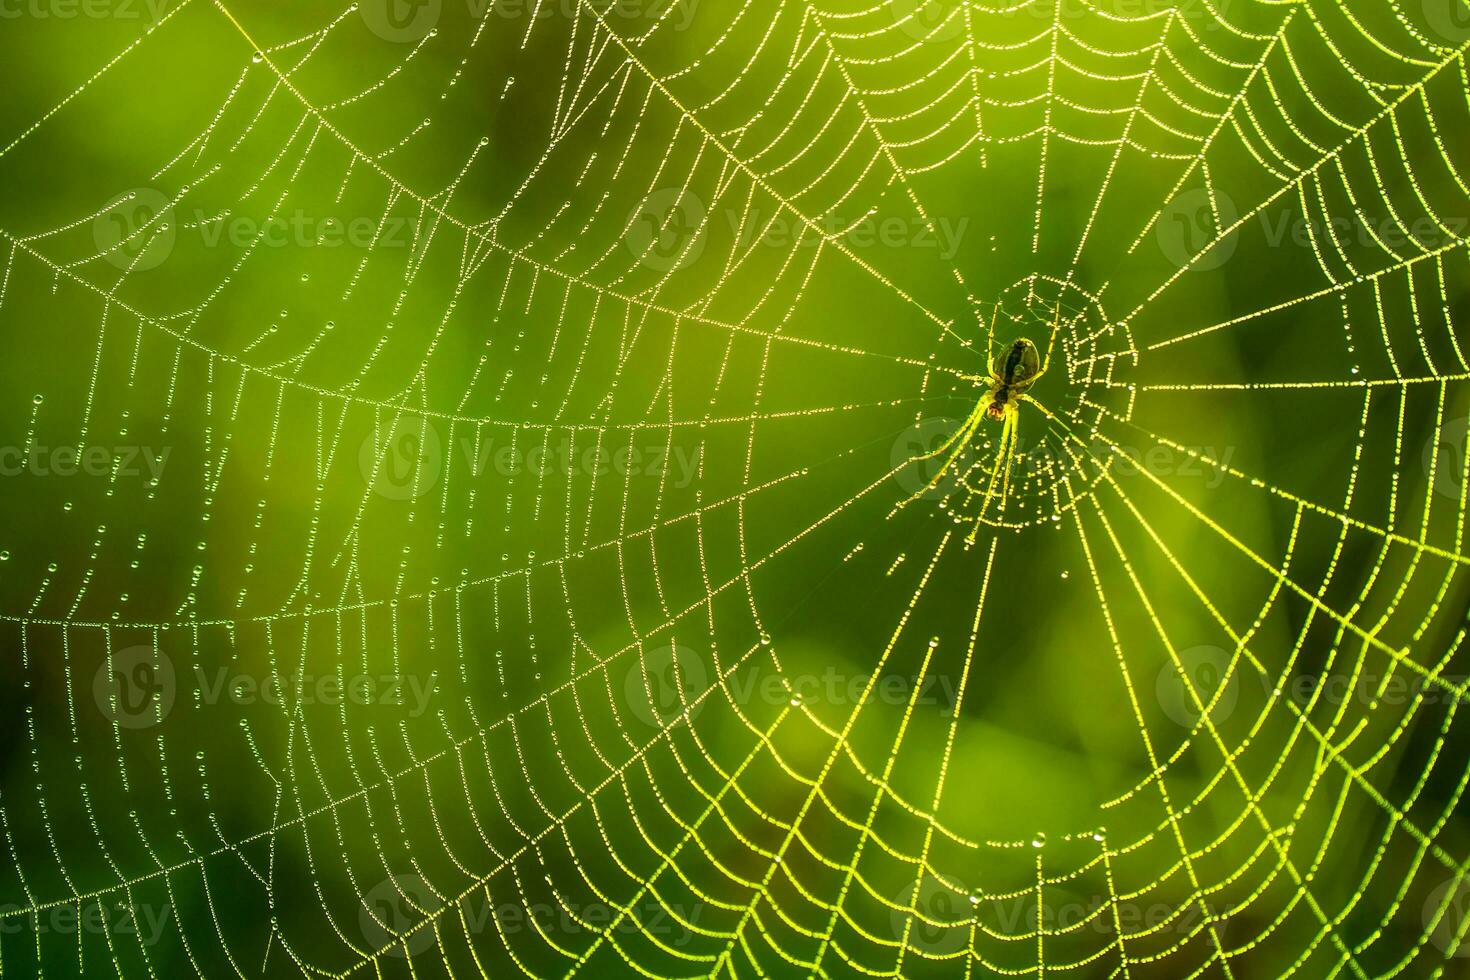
(730,837)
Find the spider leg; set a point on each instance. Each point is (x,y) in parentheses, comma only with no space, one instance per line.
(963,431)
(934,480)
(1011,435)
(1049,414)
(962,436)
(990,339)
(1002,465)
(1006,450)
(1046,361)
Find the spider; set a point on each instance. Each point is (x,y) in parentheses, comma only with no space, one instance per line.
(1012,373)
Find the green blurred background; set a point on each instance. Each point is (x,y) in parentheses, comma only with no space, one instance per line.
(464,468)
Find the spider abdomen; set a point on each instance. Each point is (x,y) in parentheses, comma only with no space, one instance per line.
(1015,366)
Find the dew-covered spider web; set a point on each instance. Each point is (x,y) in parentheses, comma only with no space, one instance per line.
(488,488)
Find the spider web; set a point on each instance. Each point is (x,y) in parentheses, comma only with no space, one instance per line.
(499,535)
